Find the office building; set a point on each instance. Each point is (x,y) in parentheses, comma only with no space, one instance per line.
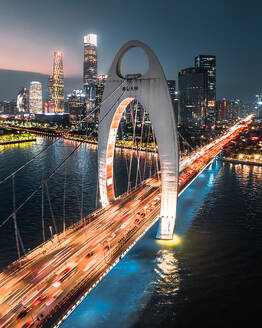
(50,88)
(233,109)
(90,68)
(22,101)
(197,93)
(193,97)
(100,85)
(56,84)
(174,97)
(76,106)
(208,63)
(35,97)
(221,106)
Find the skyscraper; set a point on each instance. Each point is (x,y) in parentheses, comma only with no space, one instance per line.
(197,87)
(22,101)
(221,106)
(76,107)
(90,66)
(58,83)
(208,63)
(193,97)
(50,88)
(100,85)
(35,97)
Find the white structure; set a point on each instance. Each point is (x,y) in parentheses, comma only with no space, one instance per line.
(91,39)
(35,97)
(152,92)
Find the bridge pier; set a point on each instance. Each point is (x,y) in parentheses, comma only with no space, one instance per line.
(165,229)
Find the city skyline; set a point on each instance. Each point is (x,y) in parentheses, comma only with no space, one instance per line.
(175,42)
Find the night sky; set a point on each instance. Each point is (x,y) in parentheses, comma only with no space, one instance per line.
(176,30)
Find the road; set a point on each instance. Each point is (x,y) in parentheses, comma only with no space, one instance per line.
(37,291)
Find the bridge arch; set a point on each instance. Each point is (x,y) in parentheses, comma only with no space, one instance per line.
(151,90)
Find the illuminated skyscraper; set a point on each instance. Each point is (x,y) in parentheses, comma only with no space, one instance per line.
(90,66)
(50,88)
(35,97)
(197,87)
(22,101)
(208,63)
(100,85)
(58,83)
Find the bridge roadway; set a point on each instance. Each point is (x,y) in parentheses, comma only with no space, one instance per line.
(39,290)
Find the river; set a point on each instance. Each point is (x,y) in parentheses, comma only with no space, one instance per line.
(212,278)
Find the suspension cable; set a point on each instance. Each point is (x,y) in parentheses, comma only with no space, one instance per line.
(59,138)
(130,163)
(54,171)
(139,151)
(43,214)
(51,209)
(154,141)
(14,218)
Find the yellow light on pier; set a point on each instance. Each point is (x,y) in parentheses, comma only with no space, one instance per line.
(172,242)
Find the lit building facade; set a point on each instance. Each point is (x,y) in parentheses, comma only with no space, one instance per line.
(197,93)
(193,97)
(208,63)
(100,85)
(22,101)
(76,106)
(57,87)
(221,110)
(35,97)
(174,97)
(50,88)
(233,109)
(90,68)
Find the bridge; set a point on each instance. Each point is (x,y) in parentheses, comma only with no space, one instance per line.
(42,287)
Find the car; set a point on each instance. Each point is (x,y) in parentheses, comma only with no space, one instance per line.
(22,314)
(90,254)
(38,301)
(28,324)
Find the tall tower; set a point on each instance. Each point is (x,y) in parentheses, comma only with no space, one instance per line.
(22,101)
(35,97)
(58,82)
(90,66)
(208,63)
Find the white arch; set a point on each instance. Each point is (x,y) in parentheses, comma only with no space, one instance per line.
(152,92)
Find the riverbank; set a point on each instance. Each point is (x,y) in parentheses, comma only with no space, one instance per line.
(119,144)
(3,143)
(237,161)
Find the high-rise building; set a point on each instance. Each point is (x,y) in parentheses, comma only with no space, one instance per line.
(233,109)
(197,93)
(172,88)
(57,90)
(193,97)
(22,101)
(35,97)
(50,88)
(8,107)
(90,67)
(221,106)
(208,63)
(76,106)
(174,97)
(100,85)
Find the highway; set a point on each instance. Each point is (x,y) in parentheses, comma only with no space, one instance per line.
(38,290)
